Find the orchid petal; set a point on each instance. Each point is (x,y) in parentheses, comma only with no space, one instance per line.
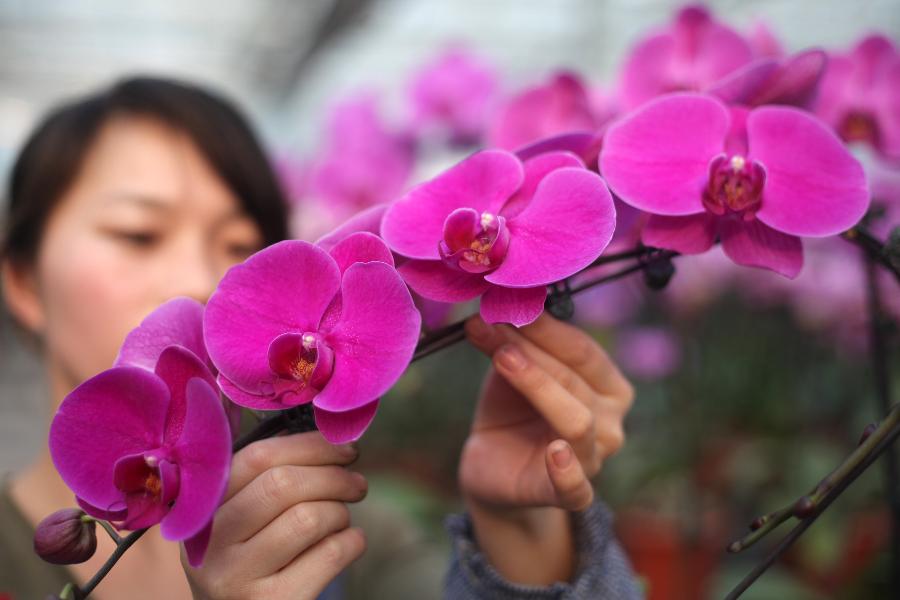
(434,280)
(518,306)
(657,159)
(366,220)
(361,246)
(414,225)
(373,342)
(814,187)
(203,455)
(535,170)
(347,426)
(562,230)
(119,412)
(753,244)
(176,322)
(284,288)
(692,234)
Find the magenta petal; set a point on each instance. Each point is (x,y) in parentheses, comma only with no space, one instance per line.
(657,159)
(583,144)
(176,366)
(563,229)
(519,306)
(374,341)
(361,247)
(535,170)
(434,280)
(247,399)
(116,512)
(366,220)
(284,288)
(743,84)
(692,234)
(460,228)
(203,455)
(753,244)
(414,225)
(196,545)
(814,187)
(347,426)
(177,322)
(143,511)
(796,82)
(119,412)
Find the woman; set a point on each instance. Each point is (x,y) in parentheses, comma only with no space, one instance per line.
(151,190)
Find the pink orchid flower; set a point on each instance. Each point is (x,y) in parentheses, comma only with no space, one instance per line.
(860,95)
(148,441)
(296,324)
(494,227)
(561,105)
(453,95)
(363,162)
(756,179)
(793,81)
(691,54)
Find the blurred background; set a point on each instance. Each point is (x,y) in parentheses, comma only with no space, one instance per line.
(750,388)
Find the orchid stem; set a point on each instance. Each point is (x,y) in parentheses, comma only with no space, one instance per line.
(110,530)
(828,490)
(873,247)
(120,550)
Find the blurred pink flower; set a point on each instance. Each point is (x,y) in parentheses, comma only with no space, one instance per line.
(764,41)
(561,105)
(793,81)
(691,53)
(362,162)
(757,180)
(649,353)
(860,95)
(453,95)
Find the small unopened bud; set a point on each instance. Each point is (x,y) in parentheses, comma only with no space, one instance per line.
(66,537)
(758,522)
(658,273)
(804,507)
(869,430)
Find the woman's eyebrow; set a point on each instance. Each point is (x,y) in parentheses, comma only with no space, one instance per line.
(152,202)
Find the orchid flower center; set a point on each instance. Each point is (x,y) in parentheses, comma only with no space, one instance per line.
(150,482)
(735,186)
(473,242)
(859,126)
(301,365)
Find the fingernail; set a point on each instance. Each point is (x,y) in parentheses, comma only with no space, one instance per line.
(360,480)
(349,450)
(479,330)
(511,358)
(562,456)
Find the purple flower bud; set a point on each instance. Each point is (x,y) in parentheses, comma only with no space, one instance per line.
(64,538)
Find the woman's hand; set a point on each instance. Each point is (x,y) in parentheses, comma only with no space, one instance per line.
(283,529)
(550,412)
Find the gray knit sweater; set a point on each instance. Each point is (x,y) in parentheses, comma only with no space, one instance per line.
(603,572)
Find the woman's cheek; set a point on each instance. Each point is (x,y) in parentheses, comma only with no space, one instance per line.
(93,294)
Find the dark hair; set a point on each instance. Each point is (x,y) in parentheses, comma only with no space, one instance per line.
(52,157)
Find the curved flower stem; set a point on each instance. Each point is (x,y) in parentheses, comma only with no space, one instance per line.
(453,333)
(878,343)
(873,247)
(825,493)
(110,530)
(120,550)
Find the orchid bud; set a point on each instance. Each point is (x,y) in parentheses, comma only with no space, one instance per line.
(658,273)
(66,537)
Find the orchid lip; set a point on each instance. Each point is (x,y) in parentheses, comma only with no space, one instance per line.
(472,242)
(301,365)
(734,187)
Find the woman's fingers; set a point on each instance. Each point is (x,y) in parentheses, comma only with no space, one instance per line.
(279,488)
(582,353)
(571,486)
(310,573)
(298,449)
(293,534)
(489,339)
(567,415)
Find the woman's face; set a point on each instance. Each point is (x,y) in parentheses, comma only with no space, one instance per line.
(147,219)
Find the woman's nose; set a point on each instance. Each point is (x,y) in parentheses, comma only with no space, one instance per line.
(194,274)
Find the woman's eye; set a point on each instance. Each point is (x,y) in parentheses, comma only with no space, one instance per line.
(137,239)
